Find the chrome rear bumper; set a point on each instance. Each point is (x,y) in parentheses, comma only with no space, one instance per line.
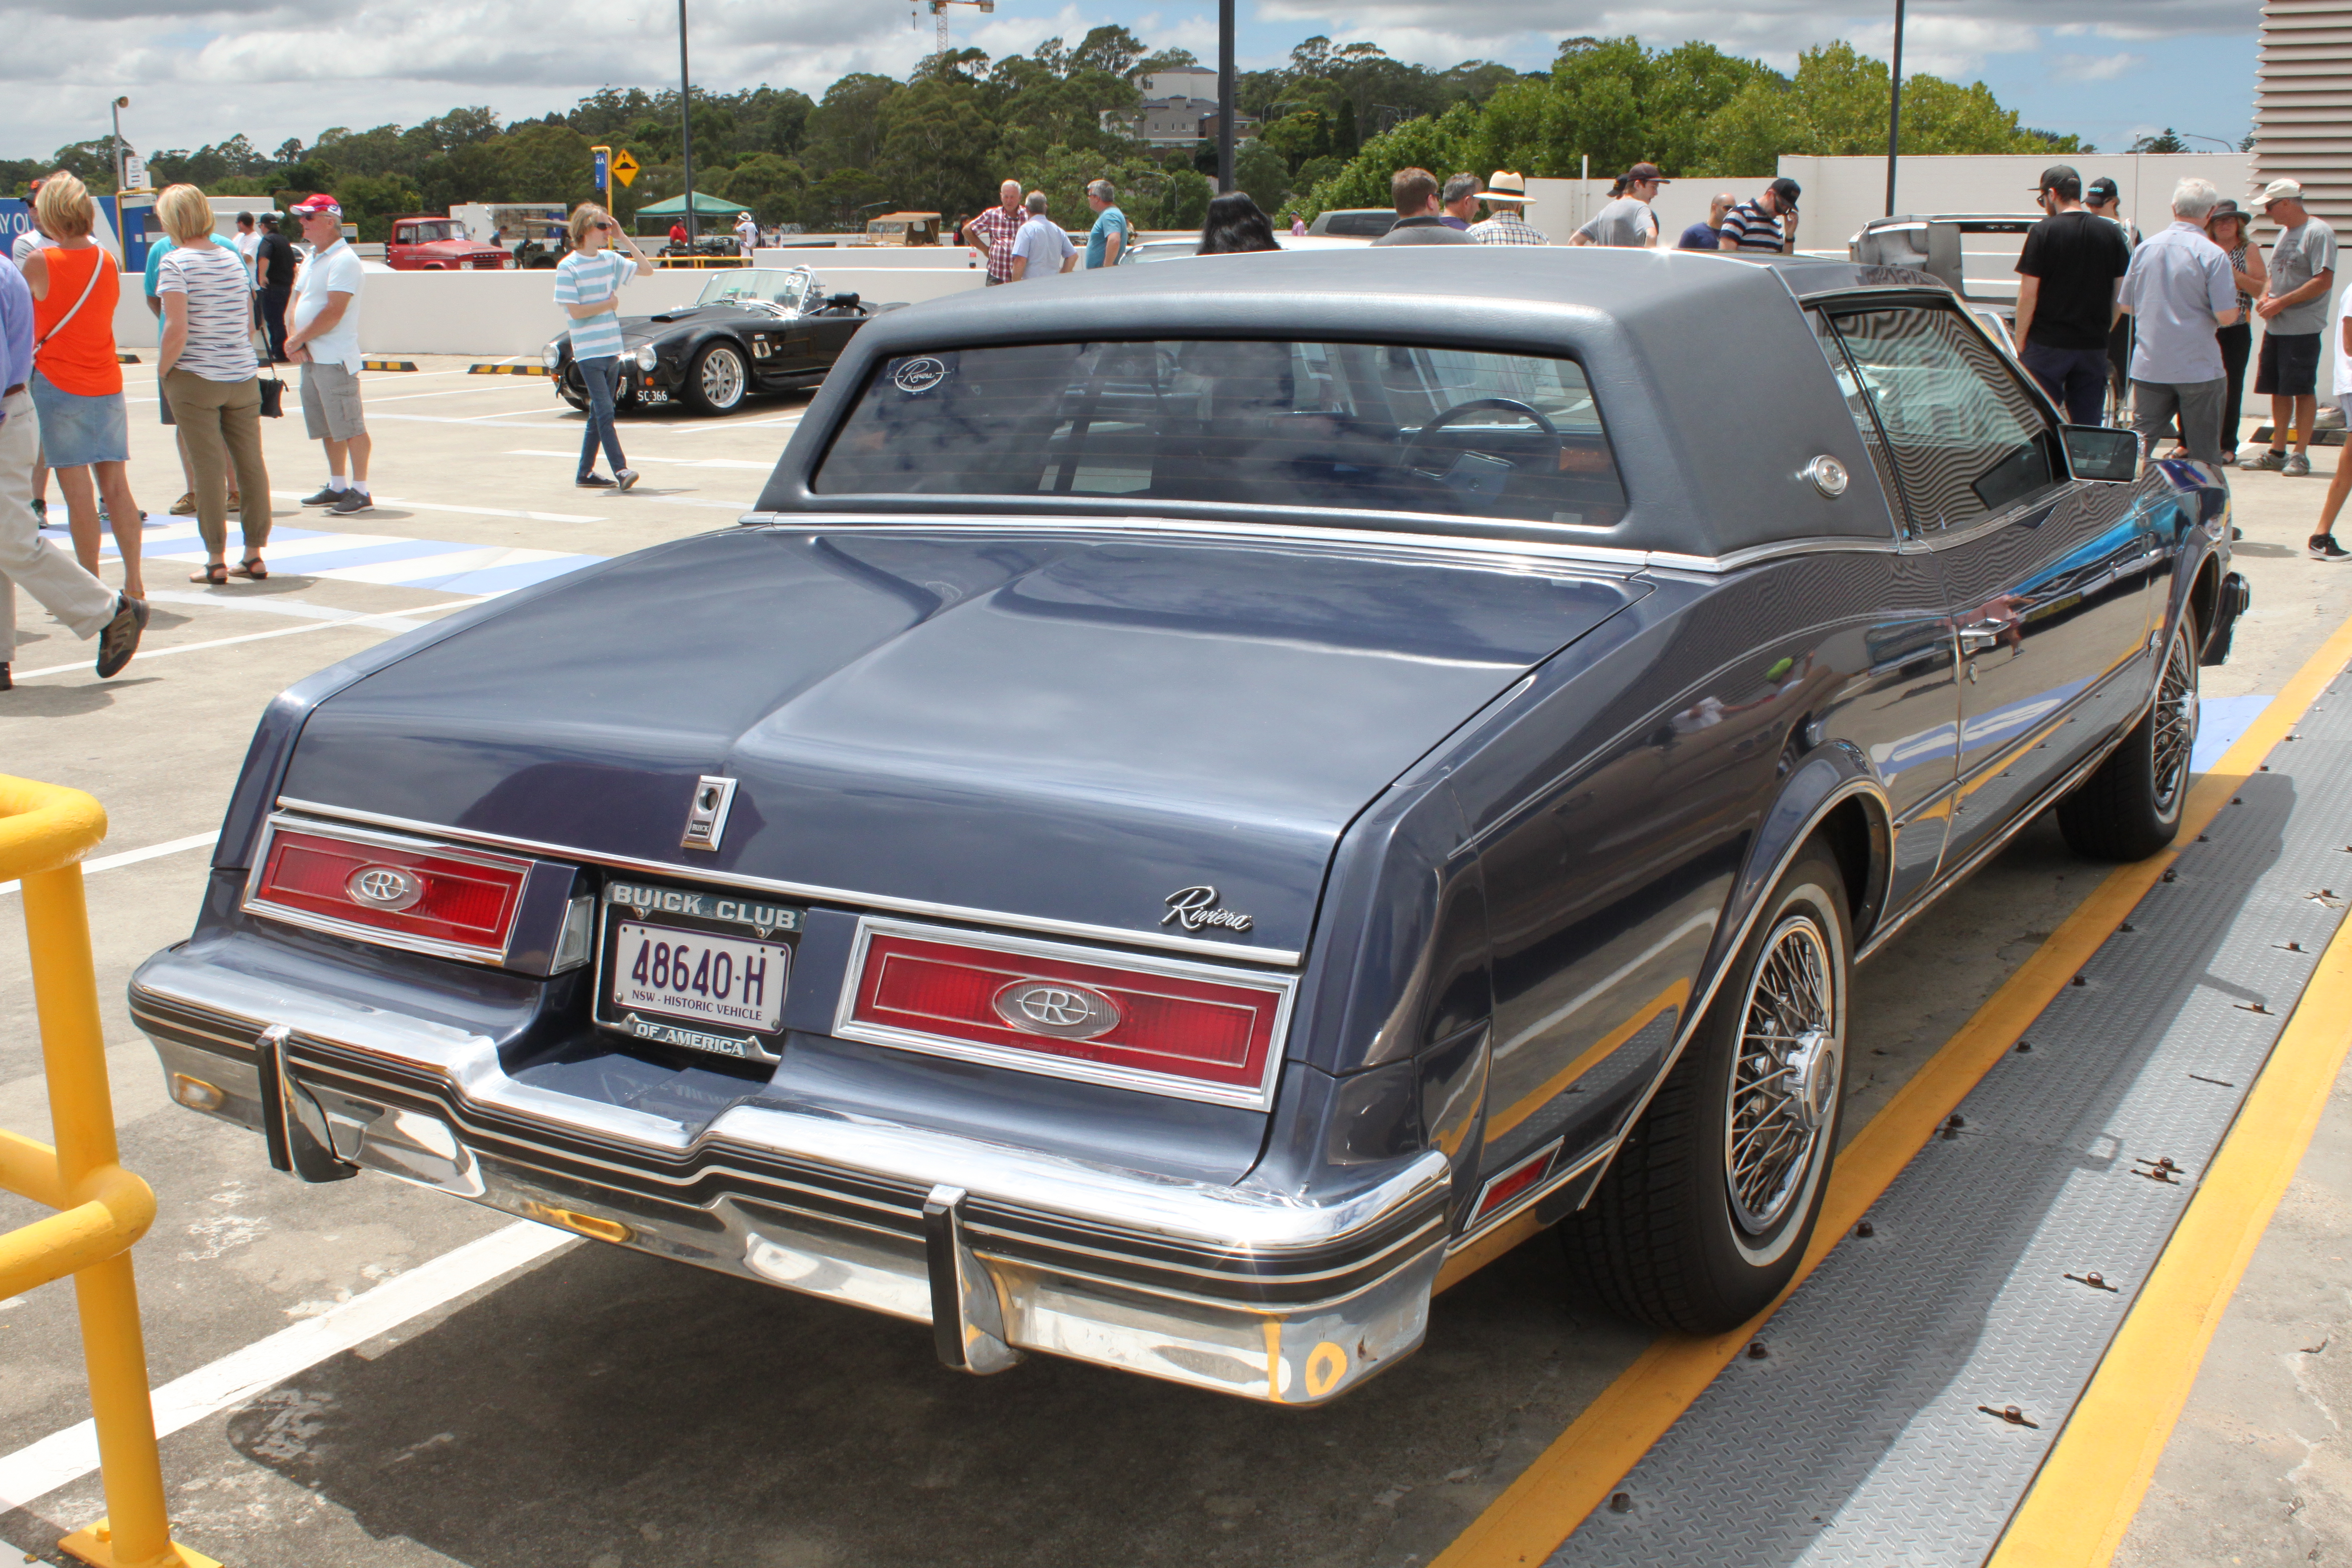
(1242,1288)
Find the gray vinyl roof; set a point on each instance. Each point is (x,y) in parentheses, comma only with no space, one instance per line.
(1713,389)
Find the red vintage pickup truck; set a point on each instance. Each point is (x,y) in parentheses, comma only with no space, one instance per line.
(438,245)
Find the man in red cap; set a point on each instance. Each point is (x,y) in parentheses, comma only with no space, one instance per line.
(325,343)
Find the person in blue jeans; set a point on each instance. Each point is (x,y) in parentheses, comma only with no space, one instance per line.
(588,286)
(2066,278)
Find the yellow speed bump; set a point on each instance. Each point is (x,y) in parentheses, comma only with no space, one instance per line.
(487,368)
(388,364)
(1572,1478)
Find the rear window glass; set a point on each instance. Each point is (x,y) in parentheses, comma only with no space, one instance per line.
(1361,426)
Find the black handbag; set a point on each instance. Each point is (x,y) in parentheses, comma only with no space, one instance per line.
(273,398)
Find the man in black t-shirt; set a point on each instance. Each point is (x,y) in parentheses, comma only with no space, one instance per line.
(273,258)
(2066,296)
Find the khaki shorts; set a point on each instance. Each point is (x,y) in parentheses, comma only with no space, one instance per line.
(330,403)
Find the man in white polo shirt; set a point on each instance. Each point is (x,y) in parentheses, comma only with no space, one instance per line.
(325,343)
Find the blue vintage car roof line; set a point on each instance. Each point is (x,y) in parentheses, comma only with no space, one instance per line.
(1709,465)
(674,871)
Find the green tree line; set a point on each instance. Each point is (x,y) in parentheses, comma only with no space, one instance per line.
(1335,121)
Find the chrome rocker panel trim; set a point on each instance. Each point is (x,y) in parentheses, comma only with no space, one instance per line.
(1243,1289)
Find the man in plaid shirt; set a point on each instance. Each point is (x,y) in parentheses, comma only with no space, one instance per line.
(997,229)
(1506,195)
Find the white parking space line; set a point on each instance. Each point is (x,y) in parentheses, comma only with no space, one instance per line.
(513,384)
(263,637)
(63,1457)
(295,608)
(132,856)
(674,462)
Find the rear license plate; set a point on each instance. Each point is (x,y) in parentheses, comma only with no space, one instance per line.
(698,969)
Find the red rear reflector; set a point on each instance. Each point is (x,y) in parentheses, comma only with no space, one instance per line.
(1116,1022)
(468,901)
(1514,1183)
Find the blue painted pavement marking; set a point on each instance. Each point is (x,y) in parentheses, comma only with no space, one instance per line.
(388,559)
(2219,721)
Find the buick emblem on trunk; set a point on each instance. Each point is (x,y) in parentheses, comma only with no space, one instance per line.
(386,888)
(705,813)
(1196,908)
(1059,1008)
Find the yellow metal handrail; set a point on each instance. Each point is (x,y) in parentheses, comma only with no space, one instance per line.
(44,830)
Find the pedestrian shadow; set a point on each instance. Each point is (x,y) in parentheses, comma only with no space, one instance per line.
(46,701)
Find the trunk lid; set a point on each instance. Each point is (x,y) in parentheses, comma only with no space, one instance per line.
(1054,728)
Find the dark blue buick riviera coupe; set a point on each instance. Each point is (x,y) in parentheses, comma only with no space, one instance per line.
(1207,799)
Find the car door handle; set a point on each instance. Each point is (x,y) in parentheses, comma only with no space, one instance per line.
(1981,635)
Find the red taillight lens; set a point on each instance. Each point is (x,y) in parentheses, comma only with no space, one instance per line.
(1514,1182)
(466,900)
(1212,1036)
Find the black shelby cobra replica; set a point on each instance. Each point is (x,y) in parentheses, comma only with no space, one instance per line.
(761,328)
(1206,801)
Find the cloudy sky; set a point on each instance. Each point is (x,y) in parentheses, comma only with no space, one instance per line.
(198,73)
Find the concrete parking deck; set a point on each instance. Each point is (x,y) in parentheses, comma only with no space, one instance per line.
(368,1374)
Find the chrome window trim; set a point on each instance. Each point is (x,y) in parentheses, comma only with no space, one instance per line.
(1280,956)
(255,903)
(1530,554)
(1168,1086)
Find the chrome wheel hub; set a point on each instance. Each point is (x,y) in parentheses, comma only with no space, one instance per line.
(2174,736)
(722,379)
(1784,1085)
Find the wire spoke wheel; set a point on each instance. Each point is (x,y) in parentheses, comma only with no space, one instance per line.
(1783,1089)
(2175,734)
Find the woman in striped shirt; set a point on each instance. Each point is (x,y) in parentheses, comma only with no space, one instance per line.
(212,378)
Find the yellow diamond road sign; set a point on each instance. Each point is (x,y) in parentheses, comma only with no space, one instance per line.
(624,168)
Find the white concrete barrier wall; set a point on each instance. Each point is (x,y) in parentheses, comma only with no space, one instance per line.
(496,315)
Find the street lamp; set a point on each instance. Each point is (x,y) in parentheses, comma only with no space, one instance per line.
(2225,146)
(1225,96)
(685,122)
(1894,108)
(120,105)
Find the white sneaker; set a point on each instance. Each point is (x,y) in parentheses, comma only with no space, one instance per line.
(625,478)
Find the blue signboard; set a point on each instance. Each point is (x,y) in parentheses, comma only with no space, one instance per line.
(132,218)
(15,218)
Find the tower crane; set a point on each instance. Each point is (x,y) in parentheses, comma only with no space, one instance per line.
(939,11)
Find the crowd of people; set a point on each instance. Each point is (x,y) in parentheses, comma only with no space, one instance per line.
(228,313)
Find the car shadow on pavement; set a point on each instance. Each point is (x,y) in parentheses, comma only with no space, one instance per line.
(608,1400)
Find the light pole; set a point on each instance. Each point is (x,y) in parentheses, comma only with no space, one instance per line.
(120,105)
(685,122)
(1894,108)
(1225,96)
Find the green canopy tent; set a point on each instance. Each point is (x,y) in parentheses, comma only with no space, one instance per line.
(704,206)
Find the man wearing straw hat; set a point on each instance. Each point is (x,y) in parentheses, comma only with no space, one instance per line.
(1507,196)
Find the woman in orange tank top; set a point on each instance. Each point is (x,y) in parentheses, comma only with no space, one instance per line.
(76,382)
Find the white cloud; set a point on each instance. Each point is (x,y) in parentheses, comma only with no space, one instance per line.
(2094,67)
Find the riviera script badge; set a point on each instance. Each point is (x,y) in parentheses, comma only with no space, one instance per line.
(1195,908)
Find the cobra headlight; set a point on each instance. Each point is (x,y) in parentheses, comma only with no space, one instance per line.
(646,358)
(551,356)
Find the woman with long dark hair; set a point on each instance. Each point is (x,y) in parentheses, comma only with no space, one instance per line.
(1235,224)
(2226,226)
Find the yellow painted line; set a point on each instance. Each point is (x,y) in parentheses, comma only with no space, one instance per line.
(1573,1476)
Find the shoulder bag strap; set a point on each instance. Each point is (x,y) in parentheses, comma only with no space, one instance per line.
(60,326)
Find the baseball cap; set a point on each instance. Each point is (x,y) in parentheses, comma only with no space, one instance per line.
(312,205)
(1787,190)
(2279,191)
(2062,178)
(2102,190)
(1646,172)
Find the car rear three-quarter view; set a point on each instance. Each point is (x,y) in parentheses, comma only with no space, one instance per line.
(1206,803)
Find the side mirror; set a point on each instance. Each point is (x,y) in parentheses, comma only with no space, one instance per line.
(2102,452)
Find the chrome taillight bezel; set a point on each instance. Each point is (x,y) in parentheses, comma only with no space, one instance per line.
(257,902)
(1282,988)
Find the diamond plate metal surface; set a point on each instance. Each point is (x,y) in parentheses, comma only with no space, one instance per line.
(1863,1436)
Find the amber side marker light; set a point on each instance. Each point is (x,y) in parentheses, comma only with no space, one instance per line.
(197,1094)
(603,1229)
